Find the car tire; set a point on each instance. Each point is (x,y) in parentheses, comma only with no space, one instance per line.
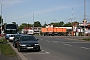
(19,49)
(38,49)
(15,45)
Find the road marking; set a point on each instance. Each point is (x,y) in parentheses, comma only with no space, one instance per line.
(42,50)
(87,48)
(36,53)
(47,52)
(68,44)
(75,42)
(47,40)
(83,47)
(55,41)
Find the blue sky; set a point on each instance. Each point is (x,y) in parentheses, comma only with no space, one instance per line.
(21,11)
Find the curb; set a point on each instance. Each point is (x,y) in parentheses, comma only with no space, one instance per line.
(21,56)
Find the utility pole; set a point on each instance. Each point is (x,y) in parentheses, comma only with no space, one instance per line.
(71,20)
(84,16)
(72,16)
(33,21)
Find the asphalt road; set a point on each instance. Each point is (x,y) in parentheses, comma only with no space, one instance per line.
(60,48)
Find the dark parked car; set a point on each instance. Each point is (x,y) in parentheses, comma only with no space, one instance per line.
(15,40)
(27,42)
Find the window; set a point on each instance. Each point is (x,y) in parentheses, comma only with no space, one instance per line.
(11,26)
(28,38)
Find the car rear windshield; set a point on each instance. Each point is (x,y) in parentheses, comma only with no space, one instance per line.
(28,38)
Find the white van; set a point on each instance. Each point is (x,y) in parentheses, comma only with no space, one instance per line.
(30,32)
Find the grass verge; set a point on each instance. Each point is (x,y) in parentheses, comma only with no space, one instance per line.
(6,49)
(2,40)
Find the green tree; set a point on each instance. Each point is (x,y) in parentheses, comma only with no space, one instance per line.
(29,25)
(13,22)
(57,24)
(24,25)
(52,23)
(61,23)
(44,25)
(37,24)
(67,24)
